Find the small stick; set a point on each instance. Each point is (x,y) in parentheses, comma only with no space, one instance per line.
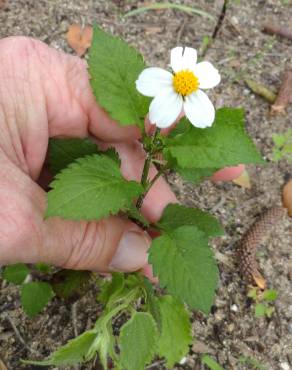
(273,29)
(19,337)
(74,318)
(285,94)
(261,90)
(260,230)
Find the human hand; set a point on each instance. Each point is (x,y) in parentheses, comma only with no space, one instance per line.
(45,93)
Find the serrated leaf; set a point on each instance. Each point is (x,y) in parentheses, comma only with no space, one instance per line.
(176,215)
(62,152)
(194,175)
(16,274)
(184,264)
(90,189)
(138,340)
(66,283)
(224,144)
(35,296)
(175,337)
(72,353)
(114,67)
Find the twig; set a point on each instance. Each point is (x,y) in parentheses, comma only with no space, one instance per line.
(273,29)
(181,31)
(260,230)
(261,90)
(19,337)
(74,318)
(285,94)
(157,363)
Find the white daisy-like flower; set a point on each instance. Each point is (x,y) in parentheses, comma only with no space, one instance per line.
(181,90)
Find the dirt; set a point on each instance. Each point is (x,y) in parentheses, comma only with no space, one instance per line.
(240,49)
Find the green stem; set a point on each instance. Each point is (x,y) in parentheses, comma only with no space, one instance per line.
(146,169)
(149,186)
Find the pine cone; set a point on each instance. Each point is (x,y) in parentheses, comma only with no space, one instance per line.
(255,235)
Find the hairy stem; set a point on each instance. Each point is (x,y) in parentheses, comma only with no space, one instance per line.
(144,179)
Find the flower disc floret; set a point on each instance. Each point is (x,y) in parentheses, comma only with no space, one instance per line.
(185,82)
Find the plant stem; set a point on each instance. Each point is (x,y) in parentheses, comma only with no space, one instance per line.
(148,187)
(144,179)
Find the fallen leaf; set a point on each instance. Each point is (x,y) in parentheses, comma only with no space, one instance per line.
(260,281)
(79,38)
(2,366)
(243,180)
(287,197)
(2,6)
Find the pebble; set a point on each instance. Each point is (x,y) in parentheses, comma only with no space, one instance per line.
(183,361)
(234,308)
(285,365)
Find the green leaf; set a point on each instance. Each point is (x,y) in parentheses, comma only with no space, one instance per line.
(260,310)
(72,353)
(184,264)
(90,189)
(43,267)
(194,175)
(270,295)
(212,364)
(175,338)
(35,296)
(110,289)
(16,274)
(66,283)
(114,67)
(62,152)
(176,215)
(138,340)
(224,144)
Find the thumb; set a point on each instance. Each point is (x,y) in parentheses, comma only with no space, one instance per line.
(112,244)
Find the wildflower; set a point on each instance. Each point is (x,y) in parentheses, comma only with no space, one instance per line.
(180,90)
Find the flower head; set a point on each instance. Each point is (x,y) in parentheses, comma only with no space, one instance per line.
(180,90)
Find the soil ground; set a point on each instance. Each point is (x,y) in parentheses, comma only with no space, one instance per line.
(240,49)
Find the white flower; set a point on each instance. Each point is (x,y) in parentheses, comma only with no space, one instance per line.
(181,90)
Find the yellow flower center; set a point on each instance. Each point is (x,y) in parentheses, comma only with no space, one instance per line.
(185,82)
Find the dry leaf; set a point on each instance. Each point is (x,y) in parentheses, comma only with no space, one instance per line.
(2,366)
(287,197)
(79,38)
(243,180)
(260,281)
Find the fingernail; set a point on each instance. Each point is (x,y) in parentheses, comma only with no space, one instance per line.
(131,254)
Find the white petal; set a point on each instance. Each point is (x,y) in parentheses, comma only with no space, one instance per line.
(165,108)
(199,109)
(207,74)
(152,80)
(183,58)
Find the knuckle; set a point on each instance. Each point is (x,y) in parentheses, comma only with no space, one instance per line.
(18,227)
(88,244)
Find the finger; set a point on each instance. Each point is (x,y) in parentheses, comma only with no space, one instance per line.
(228,173)
(113,244)
(150,127)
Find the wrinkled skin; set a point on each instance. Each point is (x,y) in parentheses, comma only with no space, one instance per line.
(45,93)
